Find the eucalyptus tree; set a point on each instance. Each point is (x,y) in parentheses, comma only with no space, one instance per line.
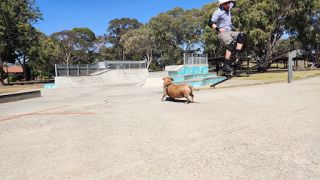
(140,41)
(170,34)
(16,19)
(27,42)
(305,22)
(266,21)
(108,53)
(76,45)
(116,29)
(191,27)
(85,42)
(42,55)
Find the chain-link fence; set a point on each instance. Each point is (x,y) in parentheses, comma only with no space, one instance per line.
(194,59)
(87,69)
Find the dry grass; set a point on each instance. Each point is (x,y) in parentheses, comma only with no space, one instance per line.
(15,88)
(280,76)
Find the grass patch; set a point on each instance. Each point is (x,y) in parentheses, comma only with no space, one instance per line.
(280,76)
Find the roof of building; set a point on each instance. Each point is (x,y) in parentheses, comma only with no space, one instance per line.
(13,69)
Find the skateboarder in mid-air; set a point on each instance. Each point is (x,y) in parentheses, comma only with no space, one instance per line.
(221,22)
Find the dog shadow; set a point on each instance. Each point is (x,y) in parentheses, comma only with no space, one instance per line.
(176,100)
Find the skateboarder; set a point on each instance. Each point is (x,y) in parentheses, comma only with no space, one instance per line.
(221,22)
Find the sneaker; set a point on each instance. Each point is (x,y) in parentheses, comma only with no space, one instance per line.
(236,63)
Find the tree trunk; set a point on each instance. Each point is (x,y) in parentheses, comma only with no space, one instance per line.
(2,73)
(264,68)
(268,56)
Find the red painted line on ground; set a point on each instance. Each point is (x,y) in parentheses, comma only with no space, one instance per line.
(9,117)
(66,113)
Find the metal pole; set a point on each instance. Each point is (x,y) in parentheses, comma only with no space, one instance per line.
(206,58)
(78,70)
(290,72)
(56,70)
(88,69)
(184,58)
(192,59)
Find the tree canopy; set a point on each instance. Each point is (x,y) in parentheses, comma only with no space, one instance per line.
(116,29)
(76,45)
(165,37)
(16,19)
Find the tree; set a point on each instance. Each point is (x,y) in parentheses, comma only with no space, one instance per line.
(264,21)
(140,41)
(267,21)
(16,18)
(191,27)
(307,30)
(27,42)
(43,55)
(76,45)
(167,31)
(108,53)
(116,29)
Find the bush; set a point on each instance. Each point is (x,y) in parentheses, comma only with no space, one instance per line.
(154,66)
(12,78)
(15,77)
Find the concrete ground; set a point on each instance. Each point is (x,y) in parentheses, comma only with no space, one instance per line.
(269,131)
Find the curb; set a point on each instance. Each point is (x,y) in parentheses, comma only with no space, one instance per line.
(17,96)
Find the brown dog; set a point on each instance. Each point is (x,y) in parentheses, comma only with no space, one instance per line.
(176,91)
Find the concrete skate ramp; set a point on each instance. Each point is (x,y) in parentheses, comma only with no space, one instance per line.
(112,77)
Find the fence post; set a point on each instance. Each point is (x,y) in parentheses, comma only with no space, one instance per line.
(192,59)
(55,69)
(206,59)
(78,70)
(88,71)
(290,57)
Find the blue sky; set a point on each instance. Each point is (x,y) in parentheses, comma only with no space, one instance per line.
(61,15)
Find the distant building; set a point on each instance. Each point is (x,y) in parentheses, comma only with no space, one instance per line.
(15,69)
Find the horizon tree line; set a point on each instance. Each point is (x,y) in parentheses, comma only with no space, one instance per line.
(165,37)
